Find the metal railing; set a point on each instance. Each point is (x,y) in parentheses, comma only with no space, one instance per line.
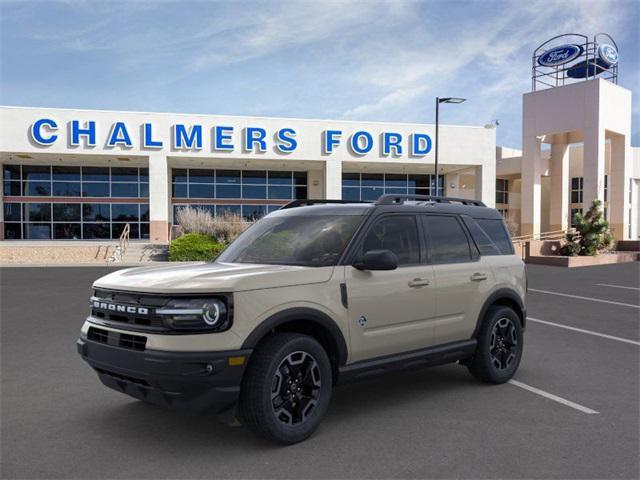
(123,243)
(551,235)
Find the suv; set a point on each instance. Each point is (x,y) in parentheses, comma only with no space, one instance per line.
(316,293)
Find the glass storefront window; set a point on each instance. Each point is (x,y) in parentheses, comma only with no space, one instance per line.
(124,212)
(66,173)
(96,212)
(129,190)
(95,189)
(239,186)
(66,212)
(74,219)
(370,186)
(66,189)
(37,189)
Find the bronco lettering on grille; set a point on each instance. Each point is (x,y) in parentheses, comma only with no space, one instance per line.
(113,307)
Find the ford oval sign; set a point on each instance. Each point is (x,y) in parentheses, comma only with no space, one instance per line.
(608,54)
(560,55)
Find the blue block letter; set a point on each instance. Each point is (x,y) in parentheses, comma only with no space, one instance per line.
(286,142)
(355,142)
(119,136)
(222,136)
(147,138)
(89,131)
(331,140)
(392,140)
(183,139)
(37,134)
(253,136)
(421,144)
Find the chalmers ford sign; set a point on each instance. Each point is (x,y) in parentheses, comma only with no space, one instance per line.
(220,138)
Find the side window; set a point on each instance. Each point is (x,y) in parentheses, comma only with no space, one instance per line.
(398,233)
(480,237)
(447,241)
(497,232)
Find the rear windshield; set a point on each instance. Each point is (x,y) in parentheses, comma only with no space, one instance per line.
(497,232)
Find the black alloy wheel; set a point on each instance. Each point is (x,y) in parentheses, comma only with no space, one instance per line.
(500,346)
(295,389)
(504,343)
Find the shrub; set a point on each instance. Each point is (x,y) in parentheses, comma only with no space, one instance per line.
(591,235)
(195,220)
(193,247)
(224,228)
(228,226)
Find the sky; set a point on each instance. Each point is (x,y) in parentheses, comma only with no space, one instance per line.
(345,60)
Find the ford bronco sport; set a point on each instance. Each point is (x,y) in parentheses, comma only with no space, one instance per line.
(316,293)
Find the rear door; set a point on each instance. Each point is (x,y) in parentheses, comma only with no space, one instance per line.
(462,276)
(391,311)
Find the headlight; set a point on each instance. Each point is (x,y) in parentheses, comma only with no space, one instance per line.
(197,314)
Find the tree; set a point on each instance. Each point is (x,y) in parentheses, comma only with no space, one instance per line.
(592,233)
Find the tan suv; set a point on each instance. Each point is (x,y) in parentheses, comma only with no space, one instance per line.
(316,293)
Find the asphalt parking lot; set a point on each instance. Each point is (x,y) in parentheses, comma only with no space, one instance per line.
(573,411)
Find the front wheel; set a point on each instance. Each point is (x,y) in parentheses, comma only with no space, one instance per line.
(287,388)
(500,343)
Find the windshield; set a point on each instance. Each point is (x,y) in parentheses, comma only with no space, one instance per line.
(311,241)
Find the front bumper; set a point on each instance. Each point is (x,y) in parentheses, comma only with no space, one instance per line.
(202,381)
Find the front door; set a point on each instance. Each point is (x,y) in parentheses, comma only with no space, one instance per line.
(391,311)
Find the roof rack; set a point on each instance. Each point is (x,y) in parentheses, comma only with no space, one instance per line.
(401,198)
(306,203)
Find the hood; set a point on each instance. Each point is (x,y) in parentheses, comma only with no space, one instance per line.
(211,277)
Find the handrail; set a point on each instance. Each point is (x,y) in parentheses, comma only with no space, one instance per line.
(123,241)
(551,235)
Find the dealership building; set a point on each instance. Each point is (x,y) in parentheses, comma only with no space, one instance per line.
(86,174)
(81,174)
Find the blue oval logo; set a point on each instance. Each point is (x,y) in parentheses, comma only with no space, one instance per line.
(560,55)
(608,54)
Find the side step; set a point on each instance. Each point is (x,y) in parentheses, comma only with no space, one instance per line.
(425,357)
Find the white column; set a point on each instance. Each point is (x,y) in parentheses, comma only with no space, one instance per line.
(618,190)
(315,184)
(531,186)
(332,179)
(593,166)
(485,188)
(159,198)
(559,204)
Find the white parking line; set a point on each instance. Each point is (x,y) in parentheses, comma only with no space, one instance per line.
(616,286)
(585,298)
(555,398)
(589,332)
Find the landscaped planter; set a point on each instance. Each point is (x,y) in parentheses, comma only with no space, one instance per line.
(602,259)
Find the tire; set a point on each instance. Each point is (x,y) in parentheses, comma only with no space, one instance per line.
(500,345)
(297,370)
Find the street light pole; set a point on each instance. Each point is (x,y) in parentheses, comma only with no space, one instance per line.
(438,102)
(437,142)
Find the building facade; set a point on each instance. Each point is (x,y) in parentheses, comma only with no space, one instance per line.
(84,175)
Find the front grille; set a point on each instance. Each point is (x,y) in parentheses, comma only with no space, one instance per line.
(122,340)
(131,309)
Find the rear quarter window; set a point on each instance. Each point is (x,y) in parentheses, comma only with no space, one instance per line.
(496,230)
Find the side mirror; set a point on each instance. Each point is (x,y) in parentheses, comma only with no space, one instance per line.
(377,260)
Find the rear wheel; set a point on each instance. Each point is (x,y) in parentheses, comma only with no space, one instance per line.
(287,388)
(500,343)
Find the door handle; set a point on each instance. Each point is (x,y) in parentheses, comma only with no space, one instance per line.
(478,277)
(419,282)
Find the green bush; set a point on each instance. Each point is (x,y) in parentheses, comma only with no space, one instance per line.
(592,233)
(193,247)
